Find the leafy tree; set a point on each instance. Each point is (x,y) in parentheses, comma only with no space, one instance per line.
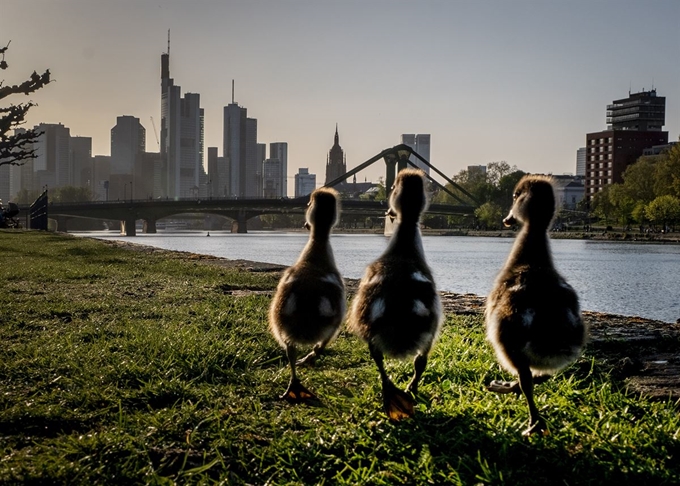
(71,194)
(664,210)
(667,173)
(490,214)
(639,213)
(638,180)
(621,202)
(601,204)
(25,197)
(17,148)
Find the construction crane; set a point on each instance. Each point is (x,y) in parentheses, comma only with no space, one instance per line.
(155,132)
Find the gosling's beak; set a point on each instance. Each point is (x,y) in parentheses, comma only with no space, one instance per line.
(391,213)
(509,220)
(306,225)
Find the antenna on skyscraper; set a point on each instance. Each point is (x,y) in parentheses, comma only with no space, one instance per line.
(168,42)
(232,91)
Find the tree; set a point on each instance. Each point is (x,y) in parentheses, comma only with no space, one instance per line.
(17,148)
(71,194)
(489,214)
(664,210)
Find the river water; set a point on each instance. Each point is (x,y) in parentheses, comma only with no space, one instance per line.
(621,278)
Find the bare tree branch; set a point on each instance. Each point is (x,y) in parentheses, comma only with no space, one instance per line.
(16,148)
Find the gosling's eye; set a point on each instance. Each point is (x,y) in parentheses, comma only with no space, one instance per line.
(515,195)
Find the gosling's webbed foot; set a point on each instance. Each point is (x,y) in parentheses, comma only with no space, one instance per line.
(398,404)
(538,426)
(297,393)
(504,387)
(309,360)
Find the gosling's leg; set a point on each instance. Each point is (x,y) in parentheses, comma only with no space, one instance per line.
(397,404)
(419,365)
(504,387)
(295,393)
(311,358)
(536,422)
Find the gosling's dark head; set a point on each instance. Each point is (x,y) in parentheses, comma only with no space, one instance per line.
(533,202)
(408,198)
(323,209)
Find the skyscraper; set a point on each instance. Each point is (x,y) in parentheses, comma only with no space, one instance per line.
(271,183)
(336,163)
(305,182)
(240,150)
(128,141)
(581,162)
(52,166)
(420,143)
(181,139)
(635,124)
(279,150)
(81,162)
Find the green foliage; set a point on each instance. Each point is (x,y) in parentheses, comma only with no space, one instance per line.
(664,209)
(492,189)
(71,194)
(490,214)
(643,182)
(148,367)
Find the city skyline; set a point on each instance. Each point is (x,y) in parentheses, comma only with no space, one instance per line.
(516,81)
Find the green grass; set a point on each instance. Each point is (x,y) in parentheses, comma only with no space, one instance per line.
(119,366)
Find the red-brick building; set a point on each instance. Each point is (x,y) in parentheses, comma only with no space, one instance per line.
(635,124)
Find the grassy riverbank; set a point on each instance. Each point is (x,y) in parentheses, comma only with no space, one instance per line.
(121,366)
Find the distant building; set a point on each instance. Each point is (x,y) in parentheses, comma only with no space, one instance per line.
(420,143)
(305,183)
(240,151)
(336,164)
(52,166)
(279,150)
(102,176)
(569,191)
(81,162)
(635,124)
(271,182)
(474,170)
(658,149)
(581,162)
(128,141)
(261,157)
(181,173)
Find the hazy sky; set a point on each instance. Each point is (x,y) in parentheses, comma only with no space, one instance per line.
(520,81)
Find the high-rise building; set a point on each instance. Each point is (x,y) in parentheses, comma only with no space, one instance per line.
(305,183)
(420,143)
(240,150)
(581,162)
(279,150)
(336,163)
(271,181)
(644,112)
(52,165)
(128,141)
(102,176)
(181,170)
(635,124)
(81,162)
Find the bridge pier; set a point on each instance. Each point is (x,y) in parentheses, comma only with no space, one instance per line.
(149,226)
(127,227)
(240,224)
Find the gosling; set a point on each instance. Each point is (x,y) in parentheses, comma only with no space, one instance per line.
(532,314)
(309,304)
(397,309)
